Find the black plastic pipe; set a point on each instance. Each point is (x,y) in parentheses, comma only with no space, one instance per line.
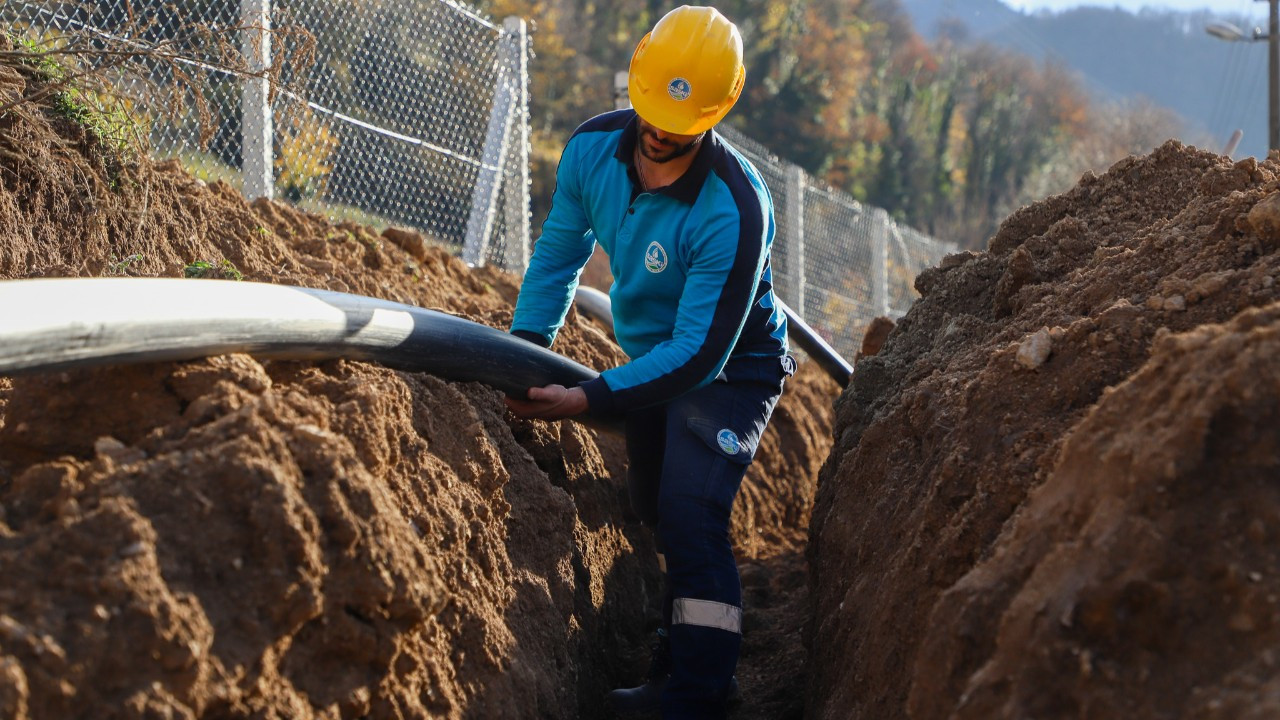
(68,323)
(812,343)
(593,303)
(596,304)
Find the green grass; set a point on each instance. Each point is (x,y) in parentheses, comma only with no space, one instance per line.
(117,267)
(338,212)
(207,167)
(205,270)
(105,120)
(48,68)
(112,127)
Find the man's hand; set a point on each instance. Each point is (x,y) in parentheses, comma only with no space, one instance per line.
(552,402)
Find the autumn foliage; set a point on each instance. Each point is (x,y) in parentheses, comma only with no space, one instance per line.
(949,137)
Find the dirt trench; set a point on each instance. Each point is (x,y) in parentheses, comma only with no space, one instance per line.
(1054,491)
(1051,494)
(234,537)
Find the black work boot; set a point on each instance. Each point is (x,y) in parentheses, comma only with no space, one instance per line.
(647,698)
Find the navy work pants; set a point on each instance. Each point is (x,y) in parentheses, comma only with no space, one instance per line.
(687,459)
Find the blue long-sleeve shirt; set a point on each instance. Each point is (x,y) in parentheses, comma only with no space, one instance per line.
(692,284)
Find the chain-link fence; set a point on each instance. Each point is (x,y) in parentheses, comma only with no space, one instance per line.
(421,106)
(838,263)
(410,113)
(415,113)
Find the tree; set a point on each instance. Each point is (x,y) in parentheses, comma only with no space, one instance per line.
(947,137)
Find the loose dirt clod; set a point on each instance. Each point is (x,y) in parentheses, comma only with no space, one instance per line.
(1092,539)
(874,338)
(1264,218)
(235,537)
(1033,351)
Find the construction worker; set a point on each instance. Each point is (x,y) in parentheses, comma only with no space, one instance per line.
(687,223)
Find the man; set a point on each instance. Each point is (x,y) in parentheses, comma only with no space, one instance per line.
(687,223)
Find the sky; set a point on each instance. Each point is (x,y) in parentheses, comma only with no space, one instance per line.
(1249,7)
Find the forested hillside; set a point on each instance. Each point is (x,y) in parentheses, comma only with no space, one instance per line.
(1166,56)
(948,137)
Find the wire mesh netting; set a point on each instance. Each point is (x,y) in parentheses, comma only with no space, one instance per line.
(840,266)
(385,113)
(910,252)
(414,113)
(837,262)
(400,103)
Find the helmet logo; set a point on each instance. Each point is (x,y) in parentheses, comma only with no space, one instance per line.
(679,89)
(655,258)
(728,441)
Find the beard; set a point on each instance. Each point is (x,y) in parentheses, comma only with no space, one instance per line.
(661,151)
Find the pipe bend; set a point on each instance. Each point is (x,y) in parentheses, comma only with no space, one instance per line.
(84,322)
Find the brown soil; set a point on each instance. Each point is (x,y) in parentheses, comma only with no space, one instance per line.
(234,537)
(1088,534)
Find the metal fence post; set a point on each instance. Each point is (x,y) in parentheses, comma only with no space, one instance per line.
(621,91)
(794,238)
(880,258)
(255,110)
(516,254)
(484,197)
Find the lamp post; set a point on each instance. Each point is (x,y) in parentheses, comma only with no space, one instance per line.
(1227,31)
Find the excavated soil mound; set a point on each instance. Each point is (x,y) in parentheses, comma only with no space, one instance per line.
(1054,492)
(233,537)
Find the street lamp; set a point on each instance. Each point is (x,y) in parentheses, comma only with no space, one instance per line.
(1227,31)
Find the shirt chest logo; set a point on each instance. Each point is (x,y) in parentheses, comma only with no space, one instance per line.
(655,258)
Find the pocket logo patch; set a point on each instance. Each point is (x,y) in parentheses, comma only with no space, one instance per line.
(728,441)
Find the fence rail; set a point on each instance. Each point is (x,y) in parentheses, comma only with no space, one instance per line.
(415,113)
(838,262)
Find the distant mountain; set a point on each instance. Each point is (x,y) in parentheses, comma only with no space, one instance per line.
(983,17)
(1167,57)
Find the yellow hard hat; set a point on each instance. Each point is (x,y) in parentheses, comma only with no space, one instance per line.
(687,72)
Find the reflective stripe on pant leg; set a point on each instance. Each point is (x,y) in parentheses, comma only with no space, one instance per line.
(706,613)
(701,474)
(699,482)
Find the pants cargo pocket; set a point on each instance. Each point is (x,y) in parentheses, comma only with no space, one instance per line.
(733,451)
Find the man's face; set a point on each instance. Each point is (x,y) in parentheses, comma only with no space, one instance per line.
(661,146)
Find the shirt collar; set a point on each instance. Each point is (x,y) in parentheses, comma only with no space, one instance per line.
(688,185)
